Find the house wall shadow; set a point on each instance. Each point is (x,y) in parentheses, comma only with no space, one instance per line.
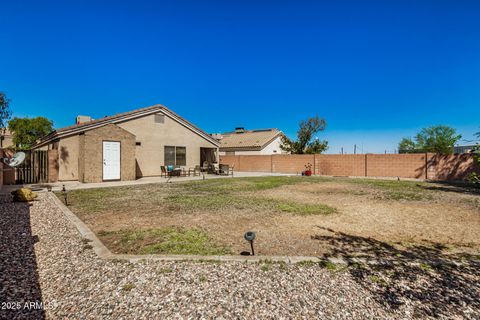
(20,292)
(425,274)
(64,154)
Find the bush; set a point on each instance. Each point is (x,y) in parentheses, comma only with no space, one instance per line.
(474,177)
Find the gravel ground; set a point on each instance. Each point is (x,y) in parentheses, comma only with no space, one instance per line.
(50,263)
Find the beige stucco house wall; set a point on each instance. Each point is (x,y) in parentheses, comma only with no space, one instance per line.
(152,138)
(143,135)
(68,158)
(90,168)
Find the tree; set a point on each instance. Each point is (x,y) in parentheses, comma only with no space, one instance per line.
(406,145)
(27,130)
(438,139)
(5,112)
(475,177)
(305,135)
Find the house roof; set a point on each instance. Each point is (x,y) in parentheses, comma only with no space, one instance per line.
(122,117)
(248,139)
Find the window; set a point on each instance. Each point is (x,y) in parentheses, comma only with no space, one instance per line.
(181,156)
(175,156)
(169,156)
(138,143)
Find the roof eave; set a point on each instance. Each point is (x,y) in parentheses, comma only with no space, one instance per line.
(98,124)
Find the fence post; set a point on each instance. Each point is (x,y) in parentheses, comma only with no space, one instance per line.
(426,165)
(366,165)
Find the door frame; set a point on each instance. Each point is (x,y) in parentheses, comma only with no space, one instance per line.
(120,162)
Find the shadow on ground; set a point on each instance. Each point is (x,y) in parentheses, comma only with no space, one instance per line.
(437,283)
(455,187)
(20,294)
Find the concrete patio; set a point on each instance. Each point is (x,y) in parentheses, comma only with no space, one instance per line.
(74,185)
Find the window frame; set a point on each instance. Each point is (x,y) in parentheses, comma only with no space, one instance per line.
(174,160)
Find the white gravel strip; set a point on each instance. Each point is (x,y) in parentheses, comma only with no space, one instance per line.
(76,284)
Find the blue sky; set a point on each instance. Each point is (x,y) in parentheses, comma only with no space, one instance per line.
(375,70)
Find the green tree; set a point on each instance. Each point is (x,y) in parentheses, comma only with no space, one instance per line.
(438,139)
(5,112)
(27,130)
(407,145)
(474,177)
(305,142)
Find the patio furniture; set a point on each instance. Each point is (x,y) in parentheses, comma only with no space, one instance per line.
(213,168)
(183,172)
(171,171)
(195,171)
(225,170)
(204,167)
(165,173)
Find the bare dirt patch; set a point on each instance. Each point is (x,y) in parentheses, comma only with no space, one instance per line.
(291,215)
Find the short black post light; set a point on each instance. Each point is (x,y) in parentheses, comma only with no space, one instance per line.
(64,192)
(250,236)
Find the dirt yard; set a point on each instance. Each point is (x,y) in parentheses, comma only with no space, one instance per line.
(303,216)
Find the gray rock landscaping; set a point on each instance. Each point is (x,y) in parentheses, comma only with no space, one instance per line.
(44,259)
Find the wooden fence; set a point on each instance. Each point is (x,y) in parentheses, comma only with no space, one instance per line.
(34,169)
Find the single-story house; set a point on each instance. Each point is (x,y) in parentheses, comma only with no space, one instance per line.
(250,142)
(129,145)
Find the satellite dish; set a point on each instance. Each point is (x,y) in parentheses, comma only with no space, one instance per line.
(14,161)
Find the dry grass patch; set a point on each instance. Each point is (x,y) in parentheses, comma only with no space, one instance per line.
(168,240)
(289,214)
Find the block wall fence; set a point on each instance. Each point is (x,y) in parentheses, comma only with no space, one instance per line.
(7,176)
(1,169)
(418,166)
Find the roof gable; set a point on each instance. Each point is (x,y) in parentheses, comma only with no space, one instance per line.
(122,117)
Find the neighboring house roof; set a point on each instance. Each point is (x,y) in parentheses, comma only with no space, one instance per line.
(248,140)
(122,117)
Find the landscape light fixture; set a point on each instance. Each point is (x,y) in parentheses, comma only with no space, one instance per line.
(64,192)
(250,236)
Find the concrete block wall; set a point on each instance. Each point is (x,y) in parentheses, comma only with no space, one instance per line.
(292,164)
(255,163)
(450,167)
(340,165)
(396,165)
(231,161)
(419,166)
(7,177)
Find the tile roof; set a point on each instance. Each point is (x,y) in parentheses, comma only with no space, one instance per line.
(120,117)
(108,118)
(248,140)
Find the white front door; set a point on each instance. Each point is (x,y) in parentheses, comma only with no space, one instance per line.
(111,160)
